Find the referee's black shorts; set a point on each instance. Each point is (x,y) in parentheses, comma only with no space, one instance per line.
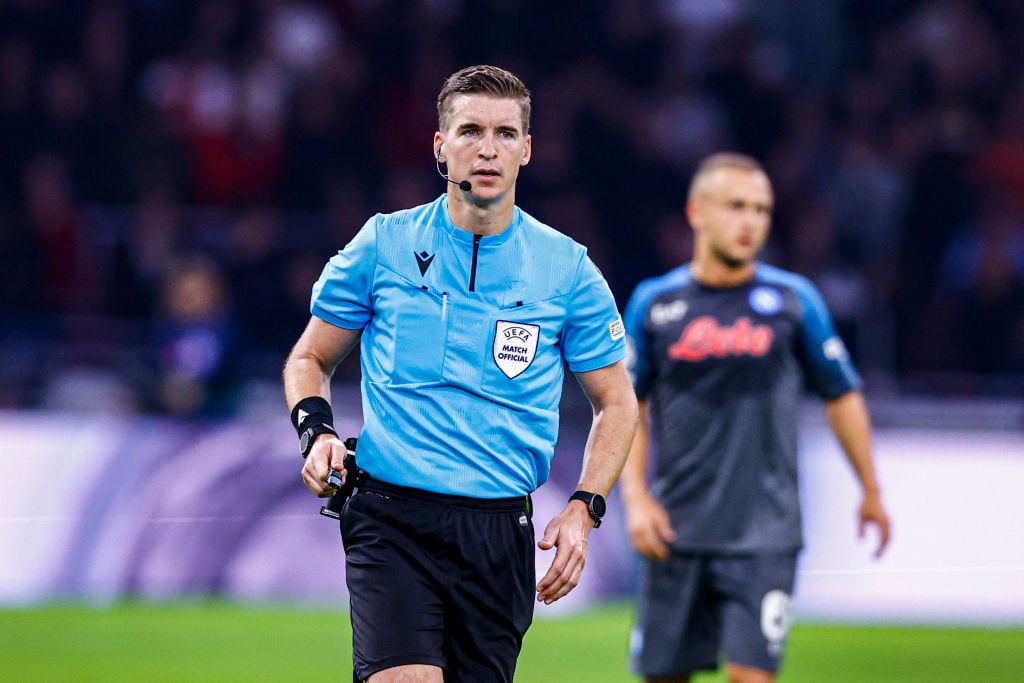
(438,579)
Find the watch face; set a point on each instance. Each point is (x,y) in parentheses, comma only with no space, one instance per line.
(598,505)
(304,442)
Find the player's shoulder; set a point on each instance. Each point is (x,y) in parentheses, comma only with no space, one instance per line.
(773,275)
(801,287)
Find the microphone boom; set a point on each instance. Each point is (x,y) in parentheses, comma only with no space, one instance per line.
(463,185)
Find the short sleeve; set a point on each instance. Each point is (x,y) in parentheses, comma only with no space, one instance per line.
(593,337)
(342,294)
(830,371)
(638,364)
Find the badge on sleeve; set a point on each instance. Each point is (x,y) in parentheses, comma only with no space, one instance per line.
(616,330)
(515,345)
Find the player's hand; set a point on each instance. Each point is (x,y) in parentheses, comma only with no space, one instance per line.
(873,512)
(567,533)
(328,453)
(649,527)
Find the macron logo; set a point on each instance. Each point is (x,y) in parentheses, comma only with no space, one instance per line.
(423,260)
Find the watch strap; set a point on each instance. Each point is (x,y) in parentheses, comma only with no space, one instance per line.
(589,498)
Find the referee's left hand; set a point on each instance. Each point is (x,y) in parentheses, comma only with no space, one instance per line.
(567,533)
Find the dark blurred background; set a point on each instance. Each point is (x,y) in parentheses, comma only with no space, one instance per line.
(173,175)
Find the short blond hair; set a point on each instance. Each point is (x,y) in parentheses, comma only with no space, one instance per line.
(719,160)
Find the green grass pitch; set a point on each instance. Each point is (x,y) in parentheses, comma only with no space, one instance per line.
(215,641)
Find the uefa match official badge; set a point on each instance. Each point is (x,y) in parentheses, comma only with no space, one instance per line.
(515,345)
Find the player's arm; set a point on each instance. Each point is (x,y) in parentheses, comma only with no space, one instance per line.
(833,376)
(615,414)
(647,521)
(851,423)
(307,373)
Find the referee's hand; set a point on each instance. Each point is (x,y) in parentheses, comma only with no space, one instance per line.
(567,533)
(328,453)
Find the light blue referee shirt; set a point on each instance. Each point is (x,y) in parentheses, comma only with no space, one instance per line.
(464,339)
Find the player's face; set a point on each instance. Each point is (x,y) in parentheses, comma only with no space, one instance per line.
(485,143)
(732,214)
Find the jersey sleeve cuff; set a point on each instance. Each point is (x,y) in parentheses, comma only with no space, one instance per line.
(598,362)
(345,323)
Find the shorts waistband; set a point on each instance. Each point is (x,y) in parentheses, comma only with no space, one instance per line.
(513,504)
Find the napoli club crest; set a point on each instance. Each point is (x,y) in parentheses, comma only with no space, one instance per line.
(515,345)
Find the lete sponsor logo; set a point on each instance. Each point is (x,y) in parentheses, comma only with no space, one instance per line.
(704,337)
(515,345)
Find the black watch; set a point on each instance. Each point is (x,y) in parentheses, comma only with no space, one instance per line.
(596,504)
(309,436)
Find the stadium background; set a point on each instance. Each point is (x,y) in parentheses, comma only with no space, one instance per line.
(173,176)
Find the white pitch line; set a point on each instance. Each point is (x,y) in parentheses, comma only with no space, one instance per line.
(913,570)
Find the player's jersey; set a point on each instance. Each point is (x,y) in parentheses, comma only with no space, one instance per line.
(463,344)
(724,371)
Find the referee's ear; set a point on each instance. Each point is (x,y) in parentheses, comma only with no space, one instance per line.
(527,151)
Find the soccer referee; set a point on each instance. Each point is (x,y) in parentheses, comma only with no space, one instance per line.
(466,310)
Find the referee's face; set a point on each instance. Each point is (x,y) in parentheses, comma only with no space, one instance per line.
(485,143)
(732,214)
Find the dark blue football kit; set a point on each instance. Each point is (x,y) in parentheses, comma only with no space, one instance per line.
(723,371)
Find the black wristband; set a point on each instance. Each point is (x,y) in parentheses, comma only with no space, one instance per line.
(313,410)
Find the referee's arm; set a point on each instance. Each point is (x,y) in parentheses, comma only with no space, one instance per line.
(615,415)
(307,372)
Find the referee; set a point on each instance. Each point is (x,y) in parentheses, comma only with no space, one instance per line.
(466,309)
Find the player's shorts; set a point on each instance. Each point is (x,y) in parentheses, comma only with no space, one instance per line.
(439,580)
(694,606)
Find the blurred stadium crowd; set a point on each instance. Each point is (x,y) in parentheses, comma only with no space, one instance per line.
(175,174)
